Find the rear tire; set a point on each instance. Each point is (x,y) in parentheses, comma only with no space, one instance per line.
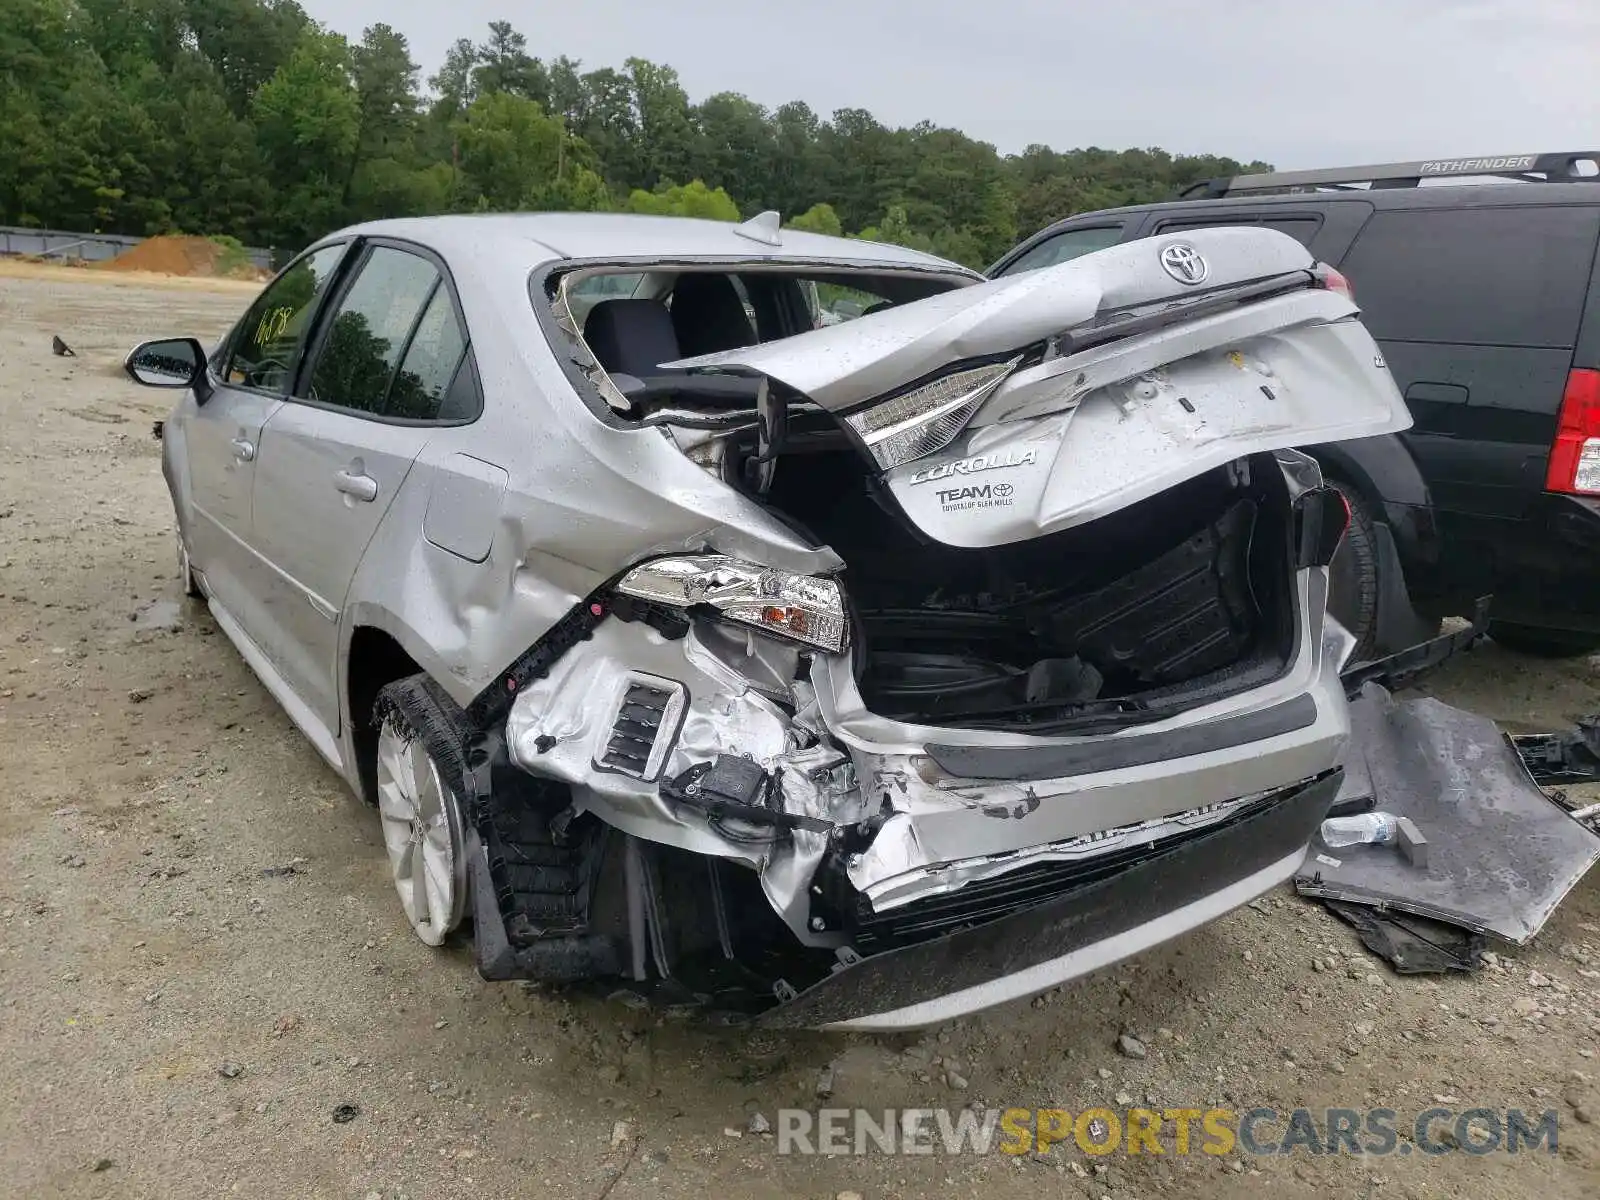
(1544,643)
(1353,583)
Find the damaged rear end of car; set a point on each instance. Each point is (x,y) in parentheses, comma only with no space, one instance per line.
(1063,688)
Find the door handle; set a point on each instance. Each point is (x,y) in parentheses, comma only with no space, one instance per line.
(358,486)
(244,449)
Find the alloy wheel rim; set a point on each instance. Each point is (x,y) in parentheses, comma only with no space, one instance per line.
(422,834)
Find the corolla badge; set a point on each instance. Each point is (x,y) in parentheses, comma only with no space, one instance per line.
(1184,263)
(971,466)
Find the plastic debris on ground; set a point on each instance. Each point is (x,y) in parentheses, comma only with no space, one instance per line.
(1476,844)
(1411,945)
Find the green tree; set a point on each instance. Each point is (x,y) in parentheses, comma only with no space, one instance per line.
(385,81)
(505,66)
(737,146)
(795,171)
(665,143)
(692,199)
(246,118)
(308,122)
(454,85)
(210,171)
(514,158)
(246,40)
(608,121)
(819,218)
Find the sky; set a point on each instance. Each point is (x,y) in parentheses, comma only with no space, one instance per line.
(1298,83)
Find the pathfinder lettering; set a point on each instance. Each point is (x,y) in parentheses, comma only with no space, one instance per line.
(1453,166)
(971,466)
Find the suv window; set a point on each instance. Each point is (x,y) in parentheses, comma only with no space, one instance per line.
(371,328)
(1301,229)
(264,347)
(1066,246)
(1475,276)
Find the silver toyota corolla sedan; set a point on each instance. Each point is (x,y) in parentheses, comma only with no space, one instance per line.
(796,627)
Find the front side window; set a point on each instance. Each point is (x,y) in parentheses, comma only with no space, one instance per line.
(370,330)
(264,347)
(1066,246)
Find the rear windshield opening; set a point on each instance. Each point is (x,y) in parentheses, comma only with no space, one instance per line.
(633,321)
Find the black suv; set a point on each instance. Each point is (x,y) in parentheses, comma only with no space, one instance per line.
(1485,297)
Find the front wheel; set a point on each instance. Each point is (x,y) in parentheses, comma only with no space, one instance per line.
(419,774)
(1543,643)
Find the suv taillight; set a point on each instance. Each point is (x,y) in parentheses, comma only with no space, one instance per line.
(1334,281)
(1575,457)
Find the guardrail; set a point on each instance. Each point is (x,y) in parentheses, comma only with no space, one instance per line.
(90,247)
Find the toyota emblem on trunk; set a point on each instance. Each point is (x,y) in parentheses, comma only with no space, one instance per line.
(1184,263)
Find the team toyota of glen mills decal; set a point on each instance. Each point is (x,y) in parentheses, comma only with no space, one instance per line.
(961,495)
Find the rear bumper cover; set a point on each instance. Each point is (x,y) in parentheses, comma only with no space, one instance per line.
(1171,892)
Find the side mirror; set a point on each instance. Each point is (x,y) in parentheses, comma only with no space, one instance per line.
(169,363)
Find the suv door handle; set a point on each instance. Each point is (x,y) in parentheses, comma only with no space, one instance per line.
(244,449)
(361,487)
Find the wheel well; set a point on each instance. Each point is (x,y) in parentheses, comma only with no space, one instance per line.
(376,660)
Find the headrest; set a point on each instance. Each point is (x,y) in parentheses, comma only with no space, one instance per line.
(631,337)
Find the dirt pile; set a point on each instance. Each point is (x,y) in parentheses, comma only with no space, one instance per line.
(176,254)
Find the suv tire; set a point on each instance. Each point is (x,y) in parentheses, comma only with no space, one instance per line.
(1353,575)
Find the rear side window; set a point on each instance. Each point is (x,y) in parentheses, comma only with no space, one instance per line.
(1066,246)
(1475,276)
(1301,229)
(371,328)
(430,366)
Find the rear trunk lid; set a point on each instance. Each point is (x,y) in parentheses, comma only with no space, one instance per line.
(1136,368)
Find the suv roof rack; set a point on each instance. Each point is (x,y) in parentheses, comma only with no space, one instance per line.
(1564,167)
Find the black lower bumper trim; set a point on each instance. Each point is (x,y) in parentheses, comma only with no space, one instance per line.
(1194,868)
(563,959)
(1114,754)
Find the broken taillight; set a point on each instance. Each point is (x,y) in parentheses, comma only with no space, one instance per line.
(1321,517)
(927,418)
(1334,281)
(1575,456)
(807,608)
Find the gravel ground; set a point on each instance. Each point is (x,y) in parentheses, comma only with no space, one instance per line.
(176,1022)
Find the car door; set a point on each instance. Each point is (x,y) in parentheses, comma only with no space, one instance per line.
(375,385)
(221,437)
